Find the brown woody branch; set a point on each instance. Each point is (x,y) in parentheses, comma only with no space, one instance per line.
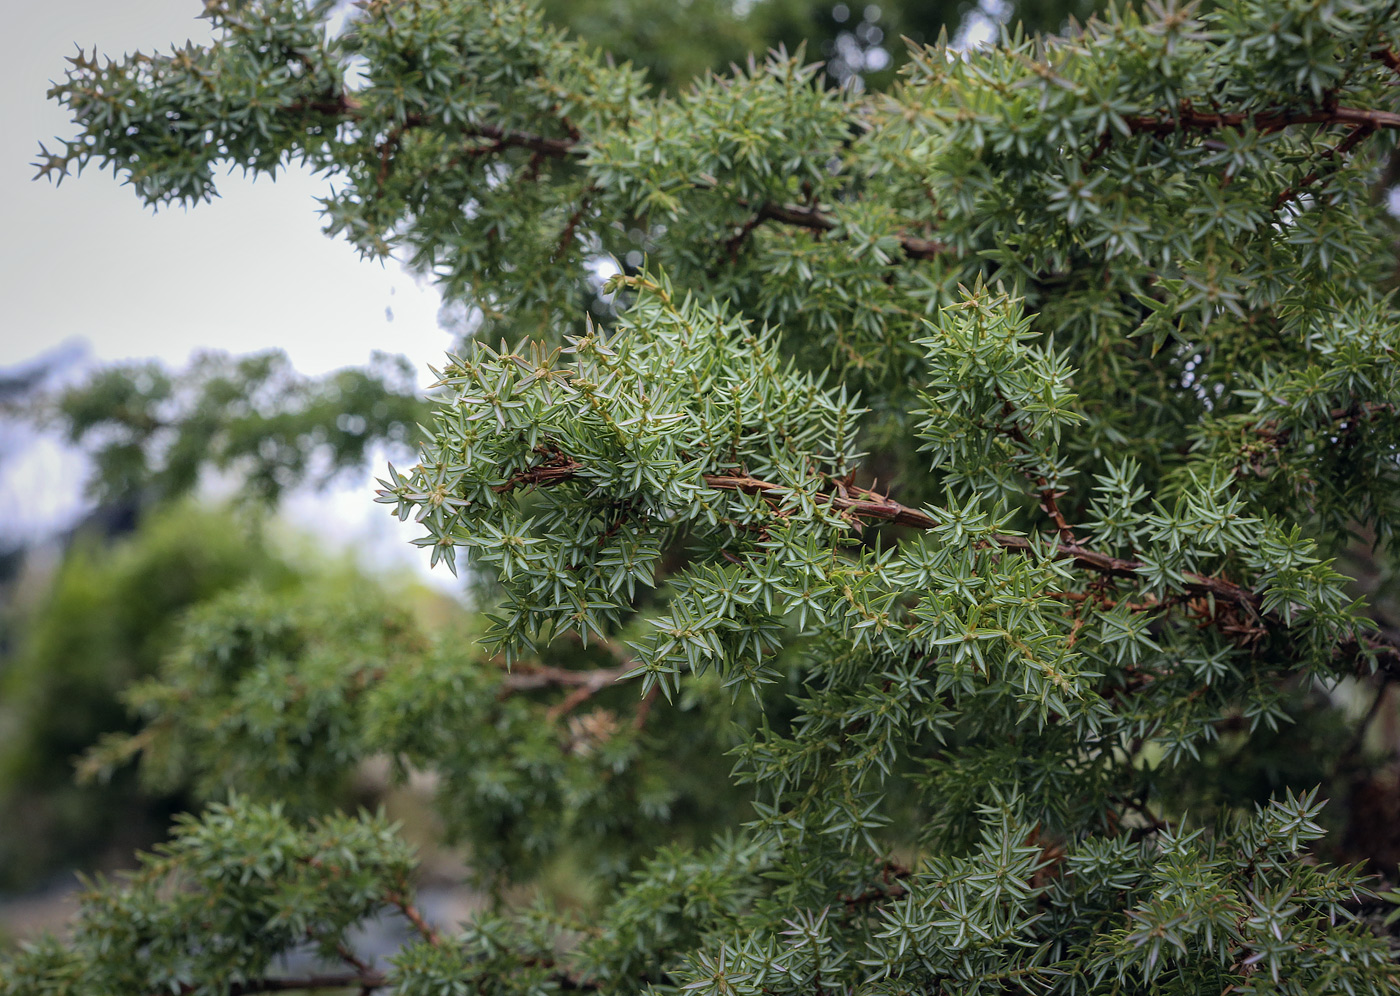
(585,684)
(365,982)
(1187,118)
(566,237)
(1348,417)
(1154,823)
(858,503)
(559,468)
(530,677)
(814,220)
(810,218)
(1357,135)
(554,148)
(732,246)
(892,886)
(413,916)
(1389,57)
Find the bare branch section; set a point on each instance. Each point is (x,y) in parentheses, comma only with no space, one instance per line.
(411,913)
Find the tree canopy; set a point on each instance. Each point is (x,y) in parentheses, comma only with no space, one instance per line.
(933,538)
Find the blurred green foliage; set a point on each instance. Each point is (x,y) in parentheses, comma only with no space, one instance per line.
(153,432)
(677,43)
(110,613)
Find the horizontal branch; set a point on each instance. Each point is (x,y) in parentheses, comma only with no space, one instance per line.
(528,677)
(559,468)
(859,503)
(362,981)
(813,219)
(863,504)
(810,218)
(1344,418)
(558,148)
(1186,117)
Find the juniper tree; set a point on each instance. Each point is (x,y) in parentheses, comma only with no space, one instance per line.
(1109,317)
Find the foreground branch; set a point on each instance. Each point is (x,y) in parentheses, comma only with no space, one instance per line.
(862,504)
(858,503)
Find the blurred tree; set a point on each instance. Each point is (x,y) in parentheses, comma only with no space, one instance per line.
(152,433)
(107,617)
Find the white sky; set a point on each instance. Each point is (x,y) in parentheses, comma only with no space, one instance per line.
(250,271)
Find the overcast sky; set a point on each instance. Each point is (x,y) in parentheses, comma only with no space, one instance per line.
(85,261)
(249,271)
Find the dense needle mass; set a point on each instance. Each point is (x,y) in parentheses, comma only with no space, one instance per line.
(966,464)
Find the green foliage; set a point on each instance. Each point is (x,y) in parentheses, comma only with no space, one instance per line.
(279,696)
(1116,309)
(108,618)
(223,899)
(152,433)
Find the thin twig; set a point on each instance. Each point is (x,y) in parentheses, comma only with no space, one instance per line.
(1356,135)
(813,219)
(411,913)
(1358,738)
(528,677)
(1389,57)
(567,236)
(644,708)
